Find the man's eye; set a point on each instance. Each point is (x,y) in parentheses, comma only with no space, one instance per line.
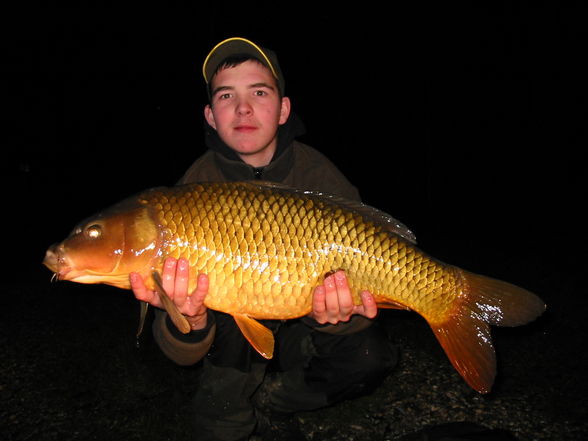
(224,96)
(260,93)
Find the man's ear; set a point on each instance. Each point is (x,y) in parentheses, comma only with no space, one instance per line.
(209,116)
(284,110)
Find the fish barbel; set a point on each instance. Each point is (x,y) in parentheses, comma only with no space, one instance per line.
(265,247)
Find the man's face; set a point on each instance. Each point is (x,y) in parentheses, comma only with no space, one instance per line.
(246,111)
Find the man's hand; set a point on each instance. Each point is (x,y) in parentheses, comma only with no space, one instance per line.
(175,282)
(332,302)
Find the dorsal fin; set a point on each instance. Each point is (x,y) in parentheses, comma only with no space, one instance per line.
(370,213)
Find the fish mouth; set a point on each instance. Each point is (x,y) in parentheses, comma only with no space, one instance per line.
(55,261)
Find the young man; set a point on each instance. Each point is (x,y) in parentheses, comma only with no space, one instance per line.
(332,354)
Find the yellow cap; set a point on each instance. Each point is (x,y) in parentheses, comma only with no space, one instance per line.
(241,46)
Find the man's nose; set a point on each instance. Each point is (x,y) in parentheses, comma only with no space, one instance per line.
(244,107)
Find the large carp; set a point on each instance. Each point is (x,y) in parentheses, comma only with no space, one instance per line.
(266,247)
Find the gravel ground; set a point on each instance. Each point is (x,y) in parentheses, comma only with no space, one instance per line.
(71,371)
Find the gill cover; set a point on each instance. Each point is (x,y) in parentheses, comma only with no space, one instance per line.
(108,246)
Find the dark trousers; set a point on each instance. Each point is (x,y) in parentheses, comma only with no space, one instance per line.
(310,370)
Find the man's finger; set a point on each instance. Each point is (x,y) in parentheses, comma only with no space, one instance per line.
(343,295)
(368,306)
(169,276)
(319,305)
(331,300)
(201,289)
(180,289)
(196,298)
(141,292)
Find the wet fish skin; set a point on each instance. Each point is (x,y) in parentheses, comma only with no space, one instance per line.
(265,248)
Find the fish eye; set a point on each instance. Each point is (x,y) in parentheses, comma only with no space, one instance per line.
(94,231)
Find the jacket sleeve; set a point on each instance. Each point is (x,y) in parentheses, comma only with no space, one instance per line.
(183,349)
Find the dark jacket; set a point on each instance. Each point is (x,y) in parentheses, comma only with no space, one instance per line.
(295,164)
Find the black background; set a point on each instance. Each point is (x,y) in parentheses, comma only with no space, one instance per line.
(465,120)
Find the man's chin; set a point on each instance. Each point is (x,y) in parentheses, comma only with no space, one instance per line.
(254,155)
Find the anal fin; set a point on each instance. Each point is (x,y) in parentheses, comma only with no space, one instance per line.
(385,303)
(260,337)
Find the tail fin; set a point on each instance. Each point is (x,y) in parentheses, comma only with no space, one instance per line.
(465,335)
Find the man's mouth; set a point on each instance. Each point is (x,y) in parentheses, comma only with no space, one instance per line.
(245,128)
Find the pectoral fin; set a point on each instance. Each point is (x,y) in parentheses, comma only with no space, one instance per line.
(144,307)
(260,337)
(174,314)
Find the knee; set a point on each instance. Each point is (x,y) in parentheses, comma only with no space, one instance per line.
(356,367)
(366,357)
(377,357)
